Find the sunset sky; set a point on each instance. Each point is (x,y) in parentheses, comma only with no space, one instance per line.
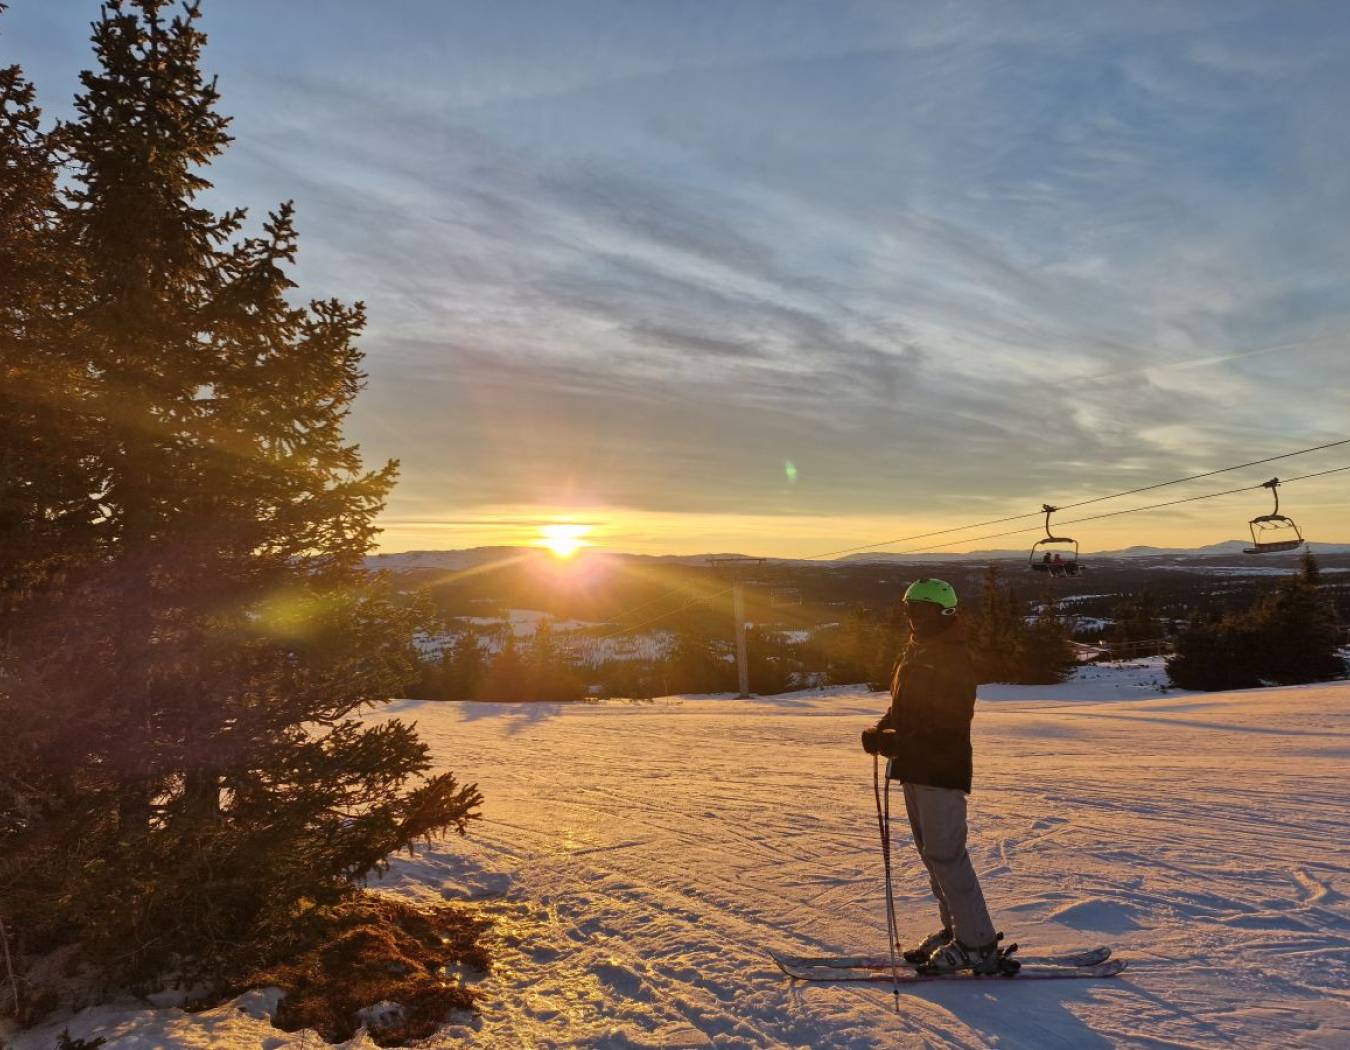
(786,277)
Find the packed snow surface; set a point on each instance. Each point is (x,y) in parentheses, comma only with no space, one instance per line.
(642,858)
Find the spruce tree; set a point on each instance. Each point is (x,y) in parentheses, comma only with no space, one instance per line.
(1288,637)
(1047,653)
(1136,619)
(996,632)
(541,663)
(549,674)
(47,519)
(182,706)
(851,648)
(464,669)
(771,661)
(506,676)
(1299,640)
(1216,653)
(695,663)
(887,642)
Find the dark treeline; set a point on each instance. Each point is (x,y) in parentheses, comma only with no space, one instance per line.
(1287,636)
(794,595)
(1012,639)
(818,625)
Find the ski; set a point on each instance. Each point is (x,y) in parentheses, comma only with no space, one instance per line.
(1082,957)
(1030,971)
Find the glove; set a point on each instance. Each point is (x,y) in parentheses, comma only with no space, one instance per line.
(881,741)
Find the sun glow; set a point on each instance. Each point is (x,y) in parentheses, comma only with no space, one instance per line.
(563,540)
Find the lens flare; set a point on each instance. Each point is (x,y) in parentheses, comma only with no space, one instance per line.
(563,540)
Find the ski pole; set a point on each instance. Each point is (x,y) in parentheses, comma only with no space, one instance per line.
(884,826)
(890,888)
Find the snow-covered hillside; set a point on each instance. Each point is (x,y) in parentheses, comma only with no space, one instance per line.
(643,857)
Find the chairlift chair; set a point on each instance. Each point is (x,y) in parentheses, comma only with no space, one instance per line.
(1054,555)
(1287,536)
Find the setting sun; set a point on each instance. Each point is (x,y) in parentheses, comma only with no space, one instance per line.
(563,540)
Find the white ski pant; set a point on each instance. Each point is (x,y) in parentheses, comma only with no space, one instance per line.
(937,816)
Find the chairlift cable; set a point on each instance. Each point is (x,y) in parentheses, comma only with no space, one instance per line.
(660,616)
(1016,532)
(1208,474)
(650,602)
(1118,513)
(994,521)
(1080,503)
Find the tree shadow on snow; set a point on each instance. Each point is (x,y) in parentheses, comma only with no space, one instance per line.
(1227,727)
(455,875)
(518,716)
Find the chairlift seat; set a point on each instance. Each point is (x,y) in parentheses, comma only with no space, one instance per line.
(1273,547)
(1039,559)
(1274,522)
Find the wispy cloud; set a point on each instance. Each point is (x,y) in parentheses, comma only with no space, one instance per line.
(640,255)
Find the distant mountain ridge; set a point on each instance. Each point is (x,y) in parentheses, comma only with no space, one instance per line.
(473,557)
(1223,549)
(459,560)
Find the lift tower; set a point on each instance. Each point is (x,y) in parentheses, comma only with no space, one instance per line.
(735,568)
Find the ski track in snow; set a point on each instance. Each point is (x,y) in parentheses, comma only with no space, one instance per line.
(641,858)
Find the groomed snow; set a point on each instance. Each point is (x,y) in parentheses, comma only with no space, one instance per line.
(642,857)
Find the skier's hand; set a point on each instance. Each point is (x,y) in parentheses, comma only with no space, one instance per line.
(881,740)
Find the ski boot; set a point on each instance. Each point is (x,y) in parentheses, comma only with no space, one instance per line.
(986,961)
(919,954)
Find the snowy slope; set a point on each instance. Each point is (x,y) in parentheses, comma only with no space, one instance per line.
(643,857)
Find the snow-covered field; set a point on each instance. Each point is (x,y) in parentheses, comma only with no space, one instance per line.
(642,857)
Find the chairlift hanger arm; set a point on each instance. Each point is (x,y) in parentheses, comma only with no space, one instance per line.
(1050,537)
(1061,564)
(1274,485)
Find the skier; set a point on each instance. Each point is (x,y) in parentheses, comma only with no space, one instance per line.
(926,734)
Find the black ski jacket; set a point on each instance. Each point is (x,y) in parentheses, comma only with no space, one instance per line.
(932,704)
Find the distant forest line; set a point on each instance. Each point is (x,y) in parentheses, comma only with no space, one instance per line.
(669,629)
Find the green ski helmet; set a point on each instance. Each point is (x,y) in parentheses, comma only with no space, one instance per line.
(938,592)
